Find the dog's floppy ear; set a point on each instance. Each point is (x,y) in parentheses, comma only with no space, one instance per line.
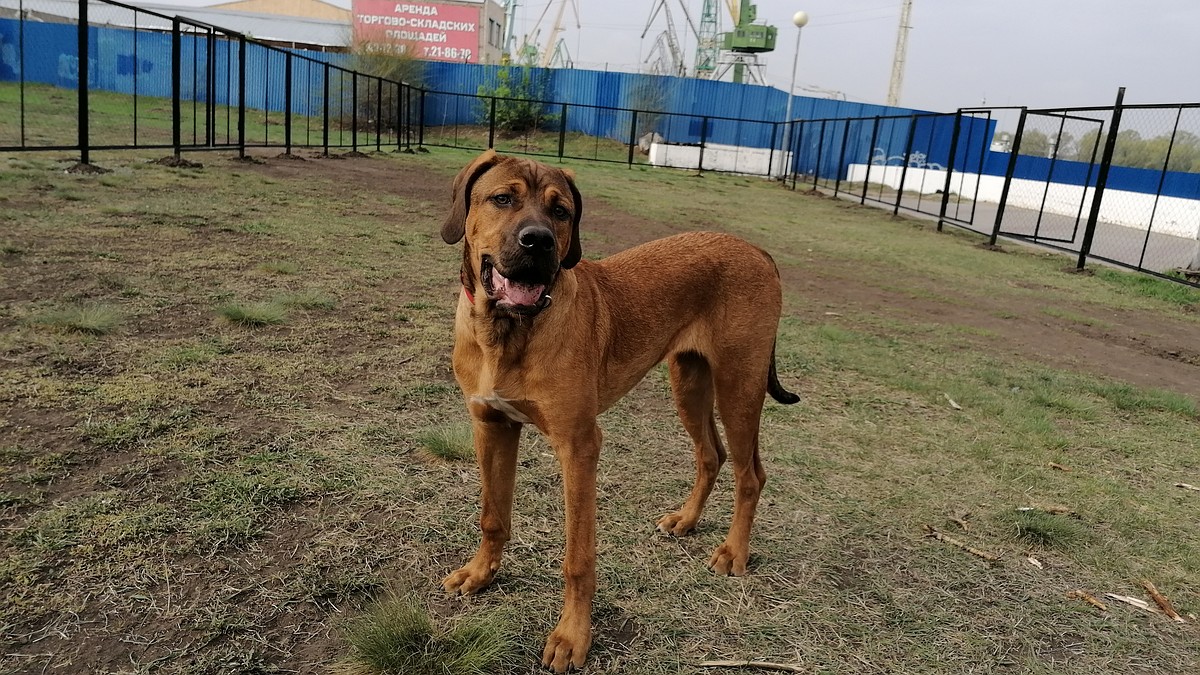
(575,250)
(456,221)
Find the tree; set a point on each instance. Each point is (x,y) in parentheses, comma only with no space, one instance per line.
(1034,142)
(520,100)
(391,62)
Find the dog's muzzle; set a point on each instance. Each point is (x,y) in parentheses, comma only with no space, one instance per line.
(522,294)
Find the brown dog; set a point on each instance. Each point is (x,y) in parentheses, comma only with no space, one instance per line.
(545,338)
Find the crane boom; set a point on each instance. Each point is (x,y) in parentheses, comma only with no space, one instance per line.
(551,42)
(893,97)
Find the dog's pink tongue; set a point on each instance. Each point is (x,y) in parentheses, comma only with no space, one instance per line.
(515,292)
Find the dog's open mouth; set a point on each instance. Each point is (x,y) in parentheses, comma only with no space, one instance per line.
(518,295)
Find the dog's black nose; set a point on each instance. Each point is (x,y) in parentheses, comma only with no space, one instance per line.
(536,237)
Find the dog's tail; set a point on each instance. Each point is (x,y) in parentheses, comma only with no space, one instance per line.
(775,389)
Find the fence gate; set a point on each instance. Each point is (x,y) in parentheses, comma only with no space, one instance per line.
(1051,171)
(970,144)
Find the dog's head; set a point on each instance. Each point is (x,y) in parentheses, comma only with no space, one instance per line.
(521,223)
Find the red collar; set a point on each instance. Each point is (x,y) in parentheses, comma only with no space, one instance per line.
(462,276)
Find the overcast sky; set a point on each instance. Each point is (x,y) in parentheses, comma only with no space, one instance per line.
(961,53)
(1040,53)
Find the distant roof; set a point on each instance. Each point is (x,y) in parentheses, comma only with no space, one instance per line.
(270,27)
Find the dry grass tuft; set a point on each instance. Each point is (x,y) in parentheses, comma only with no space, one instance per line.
(398,637)
(451,443)
(93,319)
(254,314)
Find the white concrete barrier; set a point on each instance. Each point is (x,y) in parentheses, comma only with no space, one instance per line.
(1170,215)
(728,158)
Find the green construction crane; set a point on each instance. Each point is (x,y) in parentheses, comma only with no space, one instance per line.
(748,37)
(708,42)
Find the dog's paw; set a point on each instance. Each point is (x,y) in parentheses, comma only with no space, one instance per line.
(567,646)
(677,524)
(729,561)
(468,579)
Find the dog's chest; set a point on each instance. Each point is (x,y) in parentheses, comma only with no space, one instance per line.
(503,406)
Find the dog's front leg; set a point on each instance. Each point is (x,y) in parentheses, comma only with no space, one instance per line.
(496,450)
(578,454)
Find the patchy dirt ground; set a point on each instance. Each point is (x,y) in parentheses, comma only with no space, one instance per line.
(187,495)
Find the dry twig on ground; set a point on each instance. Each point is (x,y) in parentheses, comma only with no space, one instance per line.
(1135,602)
(765,665)
(931,531)
(1089,599)
(1161,600)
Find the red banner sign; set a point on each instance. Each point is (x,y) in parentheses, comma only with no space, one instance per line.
(433,31)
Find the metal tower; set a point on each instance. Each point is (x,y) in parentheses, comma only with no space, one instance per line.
(708,41)
(510,25)
(893,97)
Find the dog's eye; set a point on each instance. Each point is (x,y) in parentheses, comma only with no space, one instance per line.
(502,200)
(560,212)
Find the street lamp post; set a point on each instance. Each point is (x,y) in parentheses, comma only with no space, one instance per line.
(800,19)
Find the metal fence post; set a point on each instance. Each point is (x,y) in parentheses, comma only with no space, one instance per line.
(837,185)
(241,129)
(703,140)
(1101,179)
(400,115)
(354,111)
(287,103)
(797,141)
(176,87)
(406,107)
(820,152)
(1013,153)
(378,113)
(210,86)
(562,131)
(21,63)
(421,123)
(632,137)
(771,152)
(912,130)
(492,123)
(82,73)
(325,114)
(870,159)
(949,169)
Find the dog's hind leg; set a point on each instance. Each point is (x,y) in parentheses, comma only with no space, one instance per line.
(692,385)
(740,401)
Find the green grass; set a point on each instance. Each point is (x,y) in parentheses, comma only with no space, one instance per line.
(398,637)
(1074,317)
(51,114)
(308,299)
(449,443)
(254,314)
(250,494)
(90,319)
(1145,286)
(1047,530)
